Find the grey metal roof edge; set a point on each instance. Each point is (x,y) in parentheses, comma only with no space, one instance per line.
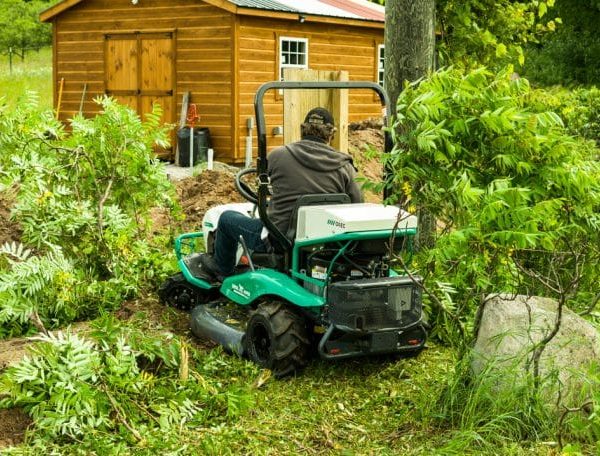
(269,5)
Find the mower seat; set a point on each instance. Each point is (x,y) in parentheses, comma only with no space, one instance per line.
(317,199)
(276,258)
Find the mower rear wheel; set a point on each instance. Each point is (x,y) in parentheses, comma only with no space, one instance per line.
(276,338)
(179,293)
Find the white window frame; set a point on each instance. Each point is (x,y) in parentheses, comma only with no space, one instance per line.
(380,64)
(282,65)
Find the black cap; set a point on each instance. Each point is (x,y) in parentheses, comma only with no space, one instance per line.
(319,116)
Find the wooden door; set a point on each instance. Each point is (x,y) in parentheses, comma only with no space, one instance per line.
(140,71)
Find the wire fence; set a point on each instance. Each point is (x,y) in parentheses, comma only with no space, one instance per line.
(13,52)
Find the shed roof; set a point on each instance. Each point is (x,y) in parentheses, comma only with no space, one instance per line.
(352,10)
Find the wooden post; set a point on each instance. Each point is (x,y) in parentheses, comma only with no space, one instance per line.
(185,101)
(296,103)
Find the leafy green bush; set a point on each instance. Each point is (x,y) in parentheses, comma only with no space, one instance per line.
(490,33)
(579,108)
(85,197)
(117,385)
(516,198)
(569,55)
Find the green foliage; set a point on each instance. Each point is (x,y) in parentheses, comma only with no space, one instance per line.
(36,284)
(20,27)
(83,198)
(579,108)
(518,198)
(485,415)
(119,386)
(491,33)
(568,56)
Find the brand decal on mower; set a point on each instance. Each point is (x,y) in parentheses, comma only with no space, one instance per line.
(336,223)
(240,290)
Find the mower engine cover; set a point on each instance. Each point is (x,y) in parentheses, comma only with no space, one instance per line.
(327,220)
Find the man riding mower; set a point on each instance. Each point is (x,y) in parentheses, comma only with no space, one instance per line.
(312,272)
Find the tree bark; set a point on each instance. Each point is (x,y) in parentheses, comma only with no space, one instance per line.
(409,56)
(409,43)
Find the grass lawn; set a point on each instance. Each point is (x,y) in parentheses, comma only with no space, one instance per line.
(33,74)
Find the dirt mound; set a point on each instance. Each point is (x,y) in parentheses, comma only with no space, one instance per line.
(365,144)
(375,123)
(9,230)
(13,424)
(199,193)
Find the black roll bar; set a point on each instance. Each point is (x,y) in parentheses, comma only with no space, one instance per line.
(261,161)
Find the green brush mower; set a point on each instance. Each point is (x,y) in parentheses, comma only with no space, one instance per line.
(328,289)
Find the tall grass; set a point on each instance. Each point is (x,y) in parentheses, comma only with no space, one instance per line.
(488,410)
(32,74)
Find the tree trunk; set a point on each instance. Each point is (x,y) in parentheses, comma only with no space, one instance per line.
(409,56)
(409,43)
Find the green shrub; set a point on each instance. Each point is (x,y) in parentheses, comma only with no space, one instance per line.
(579,109)
(516,198)
(85,197)
(118,386)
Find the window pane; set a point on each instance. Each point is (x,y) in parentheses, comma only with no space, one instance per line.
(293,59)
(285,46)
(293,46)
(284,59)
(302,59)
(302,47)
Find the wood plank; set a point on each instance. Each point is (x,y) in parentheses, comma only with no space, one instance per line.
(121,64)
(235,75)
(298,102)
(157,62)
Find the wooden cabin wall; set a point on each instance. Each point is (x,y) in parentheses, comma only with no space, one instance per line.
(331,47)
(204,42)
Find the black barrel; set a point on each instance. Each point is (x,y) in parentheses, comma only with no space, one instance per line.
(201,145)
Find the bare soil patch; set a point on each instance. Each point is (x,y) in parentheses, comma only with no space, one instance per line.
(366,144)
(13,424)
(199,193)
(9,231)
(12,351)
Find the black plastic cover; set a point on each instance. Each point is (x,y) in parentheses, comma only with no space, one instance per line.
(374,304)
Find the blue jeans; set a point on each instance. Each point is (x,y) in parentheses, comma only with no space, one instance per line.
(231,226)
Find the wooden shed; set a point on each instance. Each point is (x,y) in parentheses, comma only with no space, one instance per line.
(145,51)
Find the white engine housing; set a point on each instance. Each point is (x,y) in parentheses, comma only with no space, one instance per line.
(322,221)
(327,220)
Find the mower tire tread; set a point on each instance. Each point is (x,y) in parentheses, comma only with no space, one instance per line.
(177,292)
(289,345)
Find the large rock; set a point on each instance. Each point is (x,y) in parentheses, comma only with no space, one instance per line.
(512,326)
